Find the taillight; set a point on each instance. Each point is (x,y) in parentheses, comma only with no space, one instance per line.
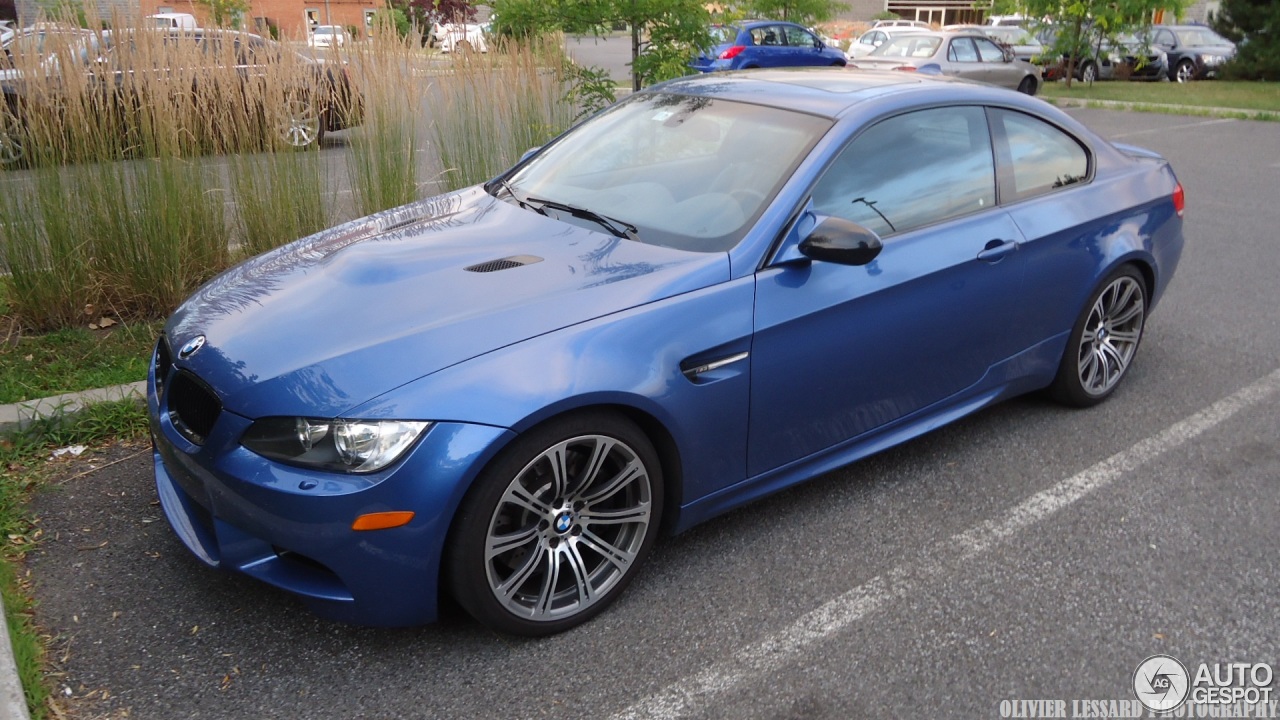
(732,52)
(906,68)
(1179,200)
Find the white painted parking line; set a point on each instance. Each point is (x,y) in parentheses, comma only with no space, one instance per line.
(1185,126)
(775,650)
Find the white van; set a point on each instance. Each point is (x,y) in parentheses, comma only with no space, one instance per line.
(178,21)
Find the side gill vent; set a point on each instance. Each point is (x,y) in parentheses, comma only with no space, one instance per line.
(505,263)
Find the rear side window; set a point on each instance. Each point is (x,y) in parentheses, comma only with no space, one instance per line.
(1041,157)
(912,170)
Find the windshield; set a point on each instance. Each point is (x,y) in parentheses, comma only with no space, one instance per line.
(1197,37)
(909,46)
(686,172)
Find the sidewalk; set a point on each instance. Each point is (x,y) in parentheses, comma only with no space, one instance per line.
(13,702)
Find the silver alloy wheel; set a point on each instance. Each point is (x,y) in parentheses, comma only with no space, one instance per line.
(1111,334)
(1089,73)
(1186,71)
(299,122)
(568,528)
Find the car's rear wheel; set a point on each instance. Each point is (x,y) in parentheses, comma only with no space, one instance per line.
(301,121)
(1185,72)
(1104,340)
(556,526)
(1027,86)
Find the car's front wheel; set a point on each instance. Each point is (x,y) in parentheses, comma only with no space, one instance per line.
(556,526)
(1104,340)
(1185,72)
(1088,72)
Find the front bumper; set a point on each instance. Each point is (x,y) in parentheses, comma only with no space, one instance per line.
(291,527)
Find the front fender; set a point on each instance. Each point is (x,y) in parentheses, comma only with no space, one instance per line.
(636,358)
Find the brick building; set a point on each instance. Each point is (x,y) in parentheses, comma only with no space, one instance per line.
(290,18)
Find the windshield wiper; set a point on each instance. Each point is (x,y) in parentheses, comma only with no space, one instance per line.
(505,185)
(619,228)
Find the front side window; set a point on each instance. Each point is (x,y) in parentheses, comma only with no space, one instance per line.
(797,37)
(1043,157)
(912,170)
(989,51)
(962,51)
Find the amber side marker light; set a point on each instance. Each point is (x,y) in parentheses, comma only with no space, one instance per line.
(382,520)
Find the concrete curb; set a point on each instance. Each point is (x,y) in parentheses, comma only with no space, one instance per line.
(20,415)
(13,701)
(1194,110)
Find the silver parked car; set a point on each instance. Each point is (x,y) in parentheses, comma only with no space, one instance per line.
(868,41)
(964,54)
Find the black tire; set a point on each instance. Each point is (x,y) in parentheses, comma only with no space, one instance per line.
(534,552)
(1184,71)
(1104,340)
(1027,86)
(1088,71)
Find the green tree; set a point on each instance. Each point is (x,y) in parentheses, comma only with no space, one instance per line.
(805,12)
(1082,27)
(226,13)
(676,29)
(1254,25)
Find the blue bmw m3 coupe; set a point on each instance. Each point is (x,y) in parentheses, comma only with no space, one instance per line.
(718,288)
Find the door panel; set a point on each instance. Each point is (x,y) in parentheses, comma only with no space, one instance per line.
(841,350)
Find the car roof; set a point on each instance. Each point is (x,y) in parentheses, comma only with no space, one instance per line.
(829,92)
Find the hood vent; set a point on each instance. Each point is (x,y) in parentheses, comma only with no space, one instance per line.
(505,263)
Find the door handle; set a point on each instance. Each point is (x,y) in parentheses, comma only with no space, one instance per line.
(996,250)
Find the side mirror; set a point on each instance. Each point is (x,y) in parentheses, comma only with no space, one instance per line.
(1008,55)
(841,241)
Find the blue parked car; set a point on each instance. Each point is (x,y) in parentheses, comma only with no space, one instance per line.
(766,44)
(721,287)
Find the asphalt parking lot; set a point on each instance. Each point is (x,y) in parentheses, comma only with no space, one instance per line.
(1026,553)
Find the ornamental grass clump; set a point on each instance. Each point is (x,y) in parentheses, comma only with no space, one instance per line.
(489,109)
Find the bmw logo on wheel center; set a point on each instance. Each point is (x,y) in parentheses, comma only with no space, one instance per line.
(564,521)
(191,346)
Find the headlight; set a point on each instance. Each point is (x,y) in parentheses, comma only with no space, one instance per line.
(351,446)
(1213,60)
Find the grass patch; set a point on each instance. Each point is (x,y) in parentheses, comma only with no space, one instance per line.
(1240,95)
(74,359)
(22,472)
